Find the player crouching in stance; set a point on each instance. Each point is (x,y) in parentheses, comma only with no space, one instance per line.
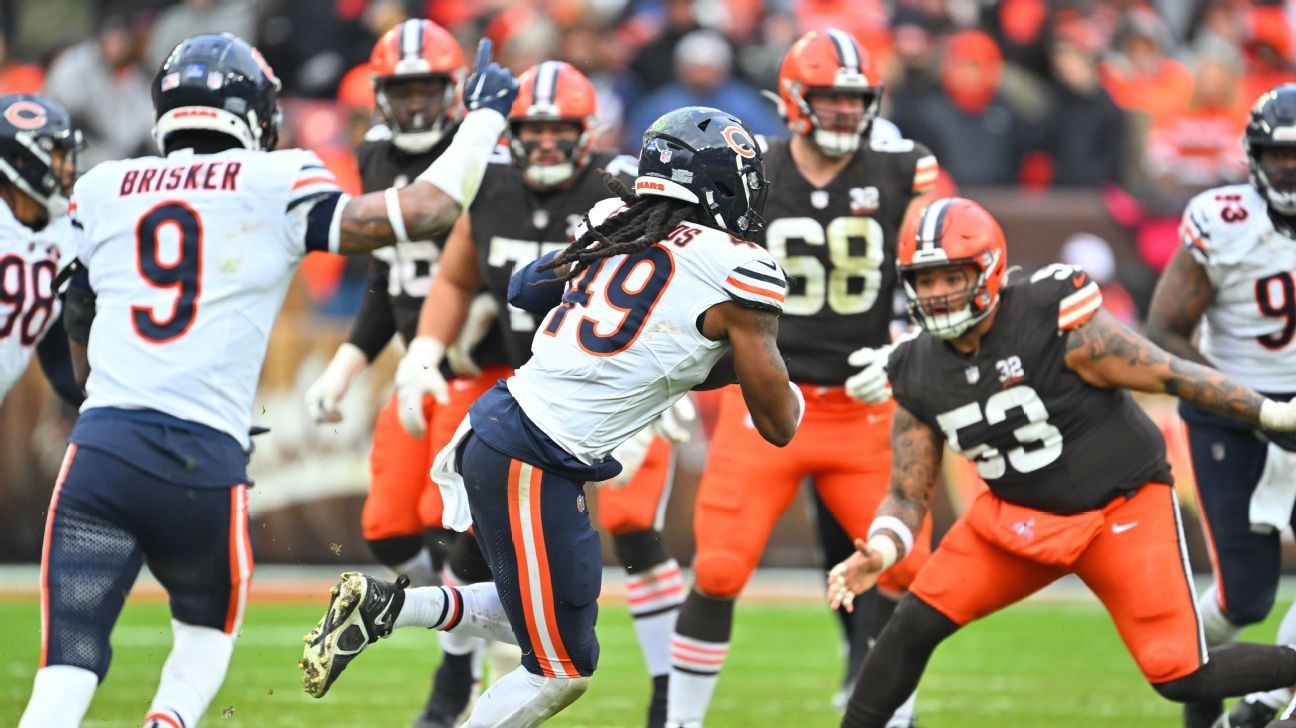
(186,261)
(657,290)
(1029,381)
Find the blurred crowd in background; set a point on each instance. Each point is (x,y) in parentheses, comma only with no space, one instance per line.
(1142,101)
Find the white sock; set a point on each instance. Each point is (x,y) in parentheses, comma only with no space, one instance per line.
(523,700)
(456,642)
(904,715)
(695,668)
(472,610)
(60,696)
(192,675)
(1219,630)
(654,598)
(419,570)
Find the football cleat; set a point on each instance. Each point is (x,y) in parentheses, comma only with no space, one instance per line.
(1248,713)
(361,611)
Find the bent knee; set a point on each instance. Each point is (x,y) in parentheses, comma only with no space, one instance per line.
(721,574)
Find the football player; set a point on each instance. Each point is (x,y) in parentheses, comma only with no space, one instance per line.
(838,197)
(416,69)
(187,258)
(38,148)
(658,288)
(530,204)
(1232,277)
(1029,380)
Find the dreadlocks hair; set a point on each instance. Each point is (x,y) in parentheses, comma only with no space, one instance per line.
(646,222)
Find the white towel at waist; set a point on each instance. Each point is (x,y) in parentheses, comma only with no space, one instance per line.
(454,496)
(1271,503)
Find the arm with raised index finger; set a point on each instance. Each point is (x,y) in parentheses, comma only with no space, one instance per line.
(431,204)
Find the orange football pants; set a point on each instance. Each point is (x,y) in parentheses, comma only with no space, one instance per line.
(402,498)
(843,445)
(1137,565)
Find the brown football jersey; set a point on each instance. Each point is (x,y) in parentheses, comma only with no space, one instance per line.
(1040,436)
(513,224)
(837,245)
(403,272)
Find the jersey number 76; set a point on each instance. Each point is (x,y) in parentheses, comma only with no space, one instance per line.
(632,290)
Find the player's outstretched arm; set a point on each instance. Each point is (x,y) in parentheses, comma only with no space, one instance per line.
(1182,295)
(771,399)
(1106,353)
(432,203)
(915,468)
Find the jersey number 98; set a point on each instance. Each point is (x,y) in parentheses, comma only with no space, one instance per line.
(182,274)
(830,286)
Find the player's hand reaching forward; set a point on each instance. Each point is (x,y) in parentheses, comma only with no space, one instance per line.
(854,576)
(326,392)
(417,375)
(870,385)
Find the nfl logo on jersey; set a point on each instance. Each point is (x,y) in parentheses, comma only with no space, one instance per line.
(973,374)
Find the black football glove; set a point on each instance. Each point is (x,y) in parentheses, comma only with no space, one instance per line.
(490,86)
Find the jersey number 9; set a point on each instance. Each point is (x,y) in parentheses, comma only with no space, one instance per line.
(835,286)
(183,274)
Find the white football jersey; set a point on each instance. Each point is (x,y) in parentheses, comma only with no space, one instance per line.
(1249,328)
(625,345)
(29,262)
(189,258)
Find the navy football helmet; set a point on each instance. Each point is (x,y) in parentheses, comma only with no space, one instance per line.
(1273,124)
(32,132)
(217,83)
(710,158)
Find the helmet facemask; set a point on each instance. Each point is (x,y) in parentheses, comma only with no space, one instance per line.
(552,152)
(1273,174)
(48,170)
(747,218)
(416,108)
(838,133)
(950,315)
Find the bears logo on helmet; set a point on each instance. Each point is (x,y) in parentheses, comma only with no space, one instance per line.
(710,159)
(38,147)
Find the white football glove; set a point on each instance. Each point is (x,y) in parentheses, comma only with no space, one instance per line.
(325,393)
(419,374)
(870,385)
(1279,416)
(673,424)
(477,324)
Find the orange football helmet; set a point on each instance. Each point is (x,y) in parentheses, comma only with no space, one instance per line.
(828,61)
(953,232)
(416,68)
(553,91)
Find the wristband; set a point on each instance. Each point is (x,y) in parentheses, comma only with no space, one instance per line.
(896,526)
(886,548)
(394,215)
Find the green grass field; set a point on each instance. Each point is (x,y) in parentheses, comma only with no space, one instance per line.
(1034,665)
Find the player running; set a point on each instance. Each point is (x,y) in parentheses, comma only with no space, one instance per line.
(657,290)
(838,197)
(531,202)
(1029,381)
(38,148)
(1233,277)
(187,258)
(417,68)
